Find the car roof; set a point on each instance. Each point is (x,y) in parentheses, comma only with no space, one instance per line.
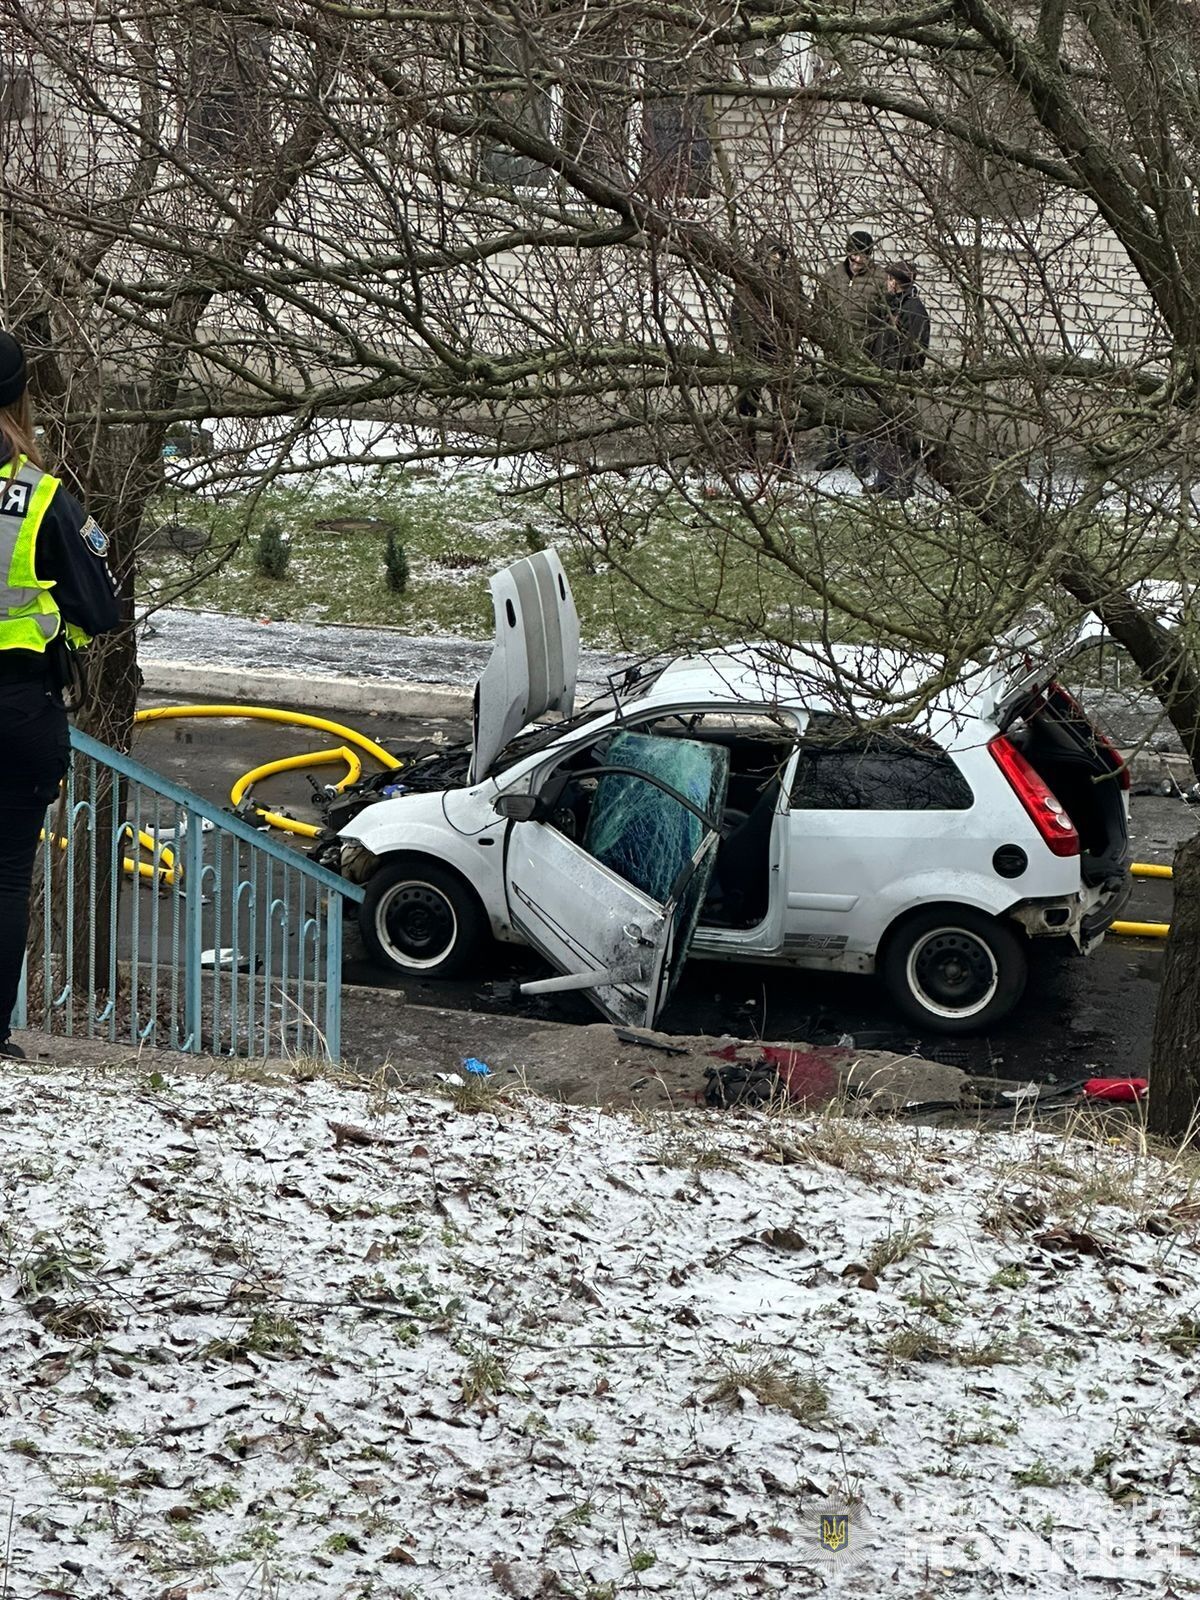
(861,682)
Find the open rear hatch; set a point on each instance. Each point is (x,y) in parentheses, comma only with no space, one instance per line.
(1084,771)
(1082,768)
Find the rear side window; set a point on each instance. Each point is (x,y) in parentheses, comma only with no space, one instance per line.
(877,772)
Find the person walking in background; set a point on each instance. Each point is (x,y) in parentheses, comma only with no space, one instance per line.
(759,324)
(57,592)
(849,301)
(899,343)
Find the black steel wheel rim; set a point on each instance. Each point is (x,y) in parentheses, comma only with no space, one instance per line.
(953,971)
(420,923)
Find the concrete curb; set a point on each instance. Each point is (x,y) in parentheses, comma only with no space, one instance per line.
(355,695)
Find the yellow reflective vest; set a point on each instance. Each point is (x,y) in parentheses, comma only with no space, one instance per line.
(29,615)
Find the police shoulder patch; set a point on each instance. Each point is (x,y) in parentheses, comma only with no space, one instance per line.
(94,536)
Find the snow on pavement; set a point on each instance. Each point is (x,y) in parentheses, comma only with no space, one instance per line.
(311,1340)
(215,639)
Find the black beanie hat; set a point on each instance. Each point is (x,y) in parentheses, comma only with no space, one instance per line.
(12,370)
(860,242)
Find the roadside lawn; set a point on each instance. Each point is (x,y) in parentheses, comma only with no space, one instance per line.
(651,568)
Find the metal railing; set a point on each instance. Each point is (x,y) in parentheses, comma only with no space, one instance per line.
(159,919)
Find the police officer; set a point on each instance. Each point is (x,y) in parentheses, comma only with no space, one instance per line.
(55,591)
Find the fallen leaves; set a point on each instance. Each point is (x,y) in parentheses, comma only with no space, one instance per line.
(545,1336)
(1062,1241)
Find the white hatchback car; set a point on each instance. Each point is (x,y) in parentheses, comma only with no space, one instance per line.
(730,808)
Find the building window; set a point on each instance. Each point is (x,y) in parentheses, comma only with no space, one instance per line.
(596,111)
(985,186)
(512,94)
(227,100)
(16,93)
(621,107)
(677,152)
(677,156)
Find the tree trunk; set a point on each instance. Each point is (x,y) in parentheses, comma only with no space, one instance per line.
(1175,1055)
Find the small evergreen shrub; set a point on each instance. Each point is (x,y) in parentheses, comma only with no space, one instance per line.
(395,562)
(271,553)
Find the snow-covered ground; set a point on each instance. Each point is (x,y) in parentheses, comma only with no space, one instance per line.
(334,452)
(310,1341)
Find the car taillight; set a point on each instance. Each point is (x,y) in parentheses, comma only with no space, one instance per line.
(1044,807)
(1102,742)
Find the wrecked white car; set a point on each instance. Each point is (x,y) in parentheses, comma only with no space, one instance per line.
(726,808)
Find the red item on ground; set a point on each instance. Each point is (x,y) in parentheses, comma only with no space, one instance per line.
(809,1076)
(1117,1088)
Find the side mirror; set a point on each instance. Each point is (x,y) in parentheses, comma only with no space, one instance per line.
(517,807)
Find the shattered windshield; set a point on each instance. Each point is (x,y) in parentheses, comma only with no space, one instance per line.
(543,734)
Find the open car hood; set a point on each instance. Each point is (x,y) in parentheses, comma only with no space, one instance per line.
(535,657)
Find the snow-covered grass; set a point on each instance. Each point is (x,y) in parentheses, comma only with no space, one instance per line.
(652,563)
(305,1339)
(669,576)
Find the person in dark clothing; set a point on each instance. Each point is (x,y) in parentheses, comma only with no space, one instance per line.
(57,591)
(848,303)
(758,328)
(899,343)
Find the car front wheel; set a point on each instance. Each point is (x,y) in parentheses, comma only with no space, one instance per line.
(420,919)
(954,970)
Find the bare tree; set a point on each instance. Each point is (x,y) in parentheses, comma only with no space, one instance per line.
(518,230)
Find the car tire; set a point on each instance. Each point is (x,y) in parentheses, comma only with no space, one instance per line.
(953,970)
(420,919)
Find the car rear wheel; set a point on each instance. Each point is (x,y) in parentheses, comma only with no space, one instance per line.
(954,970)
(420,919)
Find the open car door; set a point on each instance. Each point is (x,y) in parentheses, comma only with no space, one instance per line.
(607,938)
(616,914)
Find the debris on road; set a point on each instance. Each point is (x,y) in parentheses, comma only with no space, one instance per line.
(1118,1089)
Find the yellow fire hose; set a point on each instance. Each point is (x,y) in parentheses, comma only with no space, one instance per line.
(1145,930)
(296,719)
(164,869)
(318,758)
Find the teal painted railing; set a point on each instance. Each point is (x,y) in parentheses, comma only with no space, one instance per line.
(219,939)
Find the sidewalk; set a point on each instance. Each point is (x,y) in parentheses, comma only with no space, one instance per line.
(560,1061)
(207,654)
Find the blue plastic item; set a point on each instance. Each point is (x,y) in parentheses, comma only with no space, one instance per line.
(479,1068)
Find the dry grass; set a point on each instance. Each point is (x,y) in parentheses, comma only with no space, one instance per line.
(478,1093)
(912,1344)
(896,1245)
(772,1384)
(484,1375)
(691,1146)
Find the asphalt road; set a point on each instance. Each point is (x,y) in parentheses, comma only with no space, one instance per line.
(1078,1016)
